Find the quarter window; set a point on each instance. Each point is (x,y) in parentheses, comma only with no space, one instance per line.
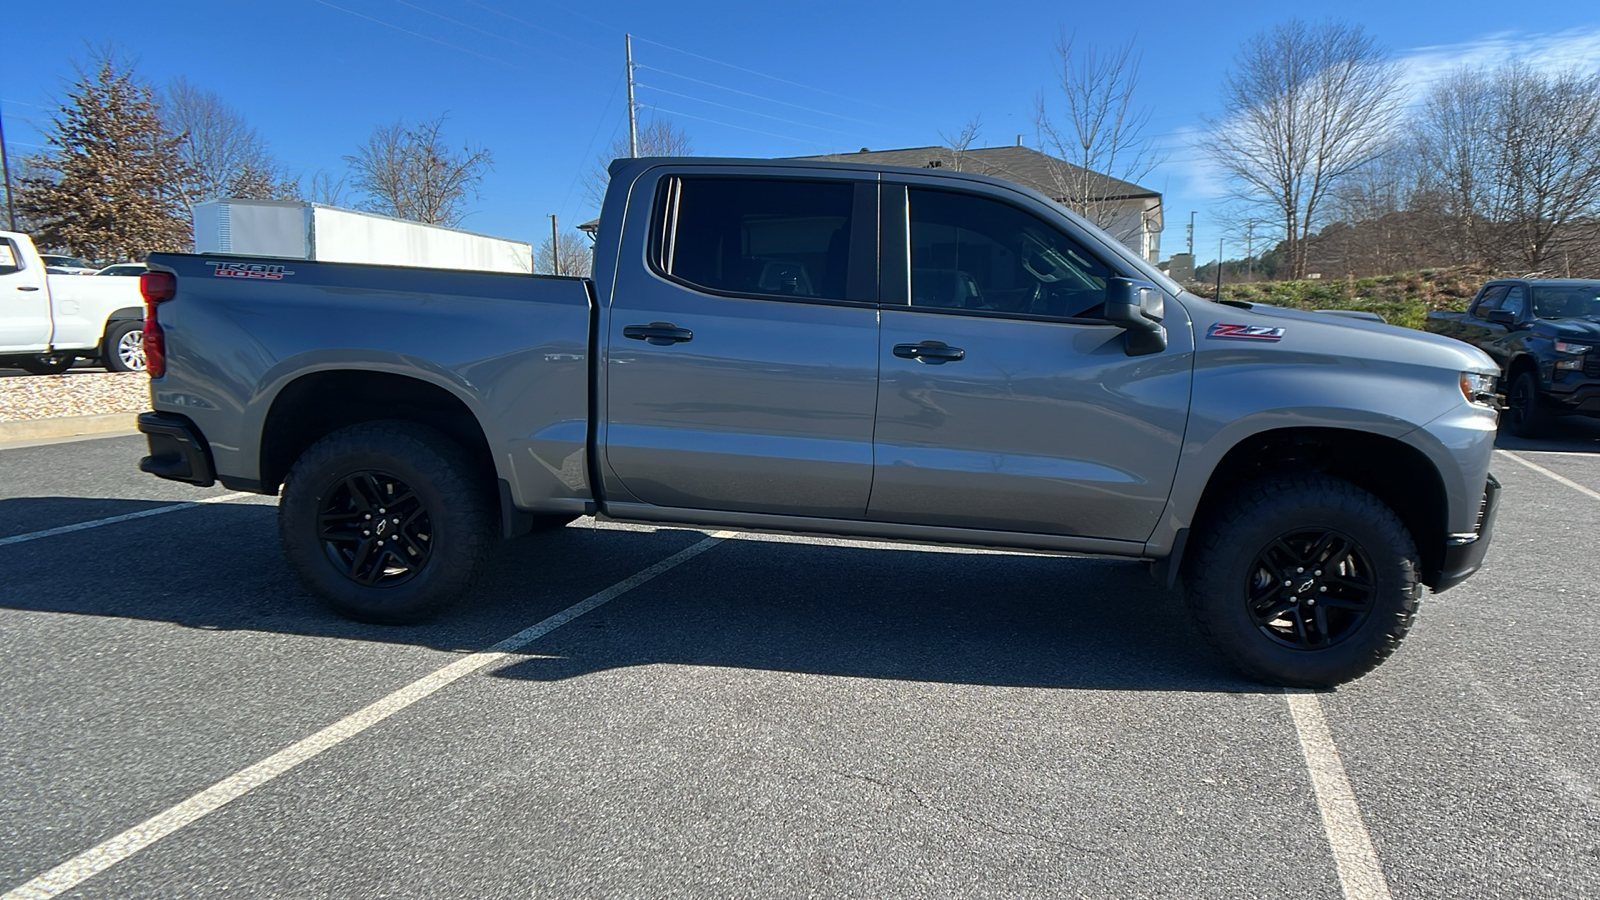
(757,236)
(976,254)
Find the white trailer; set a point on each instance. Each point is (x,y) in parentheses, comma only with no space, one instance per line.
(312,231)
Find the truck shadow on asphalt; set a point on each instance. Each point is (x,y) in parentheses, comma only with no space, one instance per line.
(1567,434)
(769,604)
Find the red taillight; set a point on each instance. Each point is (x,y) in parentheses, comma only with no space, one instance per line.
(157,288)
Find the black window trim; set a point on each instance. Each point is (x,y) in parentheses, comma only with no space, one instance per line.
(663,237)
(904,188)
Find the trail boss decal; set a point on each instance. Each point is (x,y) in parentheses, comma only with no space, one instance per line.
(249,270)
(1245,332)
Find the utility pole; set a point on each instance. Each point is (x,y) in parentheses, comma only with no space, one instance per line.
(5,163)
(1191,233)
(633,123)
(555,247)
(1249,249)
(1219,268)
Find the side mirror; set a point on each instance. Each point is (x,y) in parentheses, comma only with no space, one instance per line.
(1502,317)
(1137,307)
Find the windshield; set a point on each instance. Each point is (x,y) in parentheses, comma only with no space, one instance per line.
(1567,301)
(65,261)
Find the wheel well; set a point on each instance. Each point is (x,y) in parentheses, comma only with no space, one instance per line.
(1523,363)
(315,405)
(1394,472)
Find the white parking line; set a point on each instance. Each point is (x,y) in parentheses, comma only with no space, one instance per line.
(97,859)
(1360,873)
(1549,474)
(112,520)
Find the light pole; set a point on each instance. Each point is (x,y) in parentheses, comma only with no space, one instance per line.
(1191,234)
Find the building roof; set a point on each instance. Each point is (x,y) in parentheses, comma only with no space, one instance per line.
(1023,165)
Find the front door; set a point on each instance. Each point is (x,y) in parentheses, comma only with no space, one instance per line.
(1006,401)
(24,302)
(741,360)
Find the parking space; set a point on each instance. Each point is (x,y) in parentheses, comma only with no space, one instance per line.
(773,716)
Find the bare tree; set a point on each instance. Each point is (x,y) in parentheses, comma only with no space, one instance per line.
(324,189)
(961,140)
(407,171)
(657,137)
(227,156)
(1099,131)
(1516,154)
(1304,107)
(576,256)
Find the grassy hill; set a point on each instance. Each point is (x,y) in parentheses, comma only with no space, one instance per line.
(1402,299)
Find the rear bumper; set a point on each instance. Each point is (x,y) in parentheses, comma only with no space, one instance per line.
(177,449)
(1463,553)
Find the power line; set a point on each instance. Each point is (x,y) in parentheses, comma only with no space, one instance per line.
(415,34)
(720,87)
(741,127)
(534,25)
(740,109)
(765,75)
(482,31)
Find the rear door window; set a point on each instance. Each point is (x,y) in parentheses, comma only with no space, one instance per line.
(777,238)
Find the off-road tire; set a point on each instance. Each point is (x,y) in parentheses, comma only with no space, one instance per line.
(1228,563)
(1524,417)
(458,530)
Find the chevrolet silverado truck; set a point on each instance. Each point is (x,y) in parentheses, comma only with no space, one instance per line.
(843,350)
(49,321)
(1544,333)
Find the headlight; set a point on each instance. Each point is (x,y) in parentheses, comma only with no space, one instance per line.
(1575,363)
(1479,389)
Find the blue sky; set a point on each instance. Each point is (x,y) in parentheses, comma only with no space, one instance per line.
(540,83)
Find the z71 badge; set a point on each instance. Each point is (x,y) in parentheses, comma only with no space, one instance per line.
(1245,332)
(249,270)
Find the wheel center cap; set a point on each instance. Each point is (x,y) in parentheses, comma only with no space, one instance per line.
(1305,586)
(383,525)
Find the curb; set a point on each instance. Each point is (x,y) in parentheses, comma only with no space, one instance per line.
(68,426)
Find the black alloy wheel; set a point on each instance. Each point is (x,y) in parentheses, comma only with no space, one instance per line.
(1523,415)
(1311,589)
(376,529)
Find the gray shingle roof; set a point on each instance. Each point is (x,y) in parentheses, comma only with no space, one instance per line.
(1023,165)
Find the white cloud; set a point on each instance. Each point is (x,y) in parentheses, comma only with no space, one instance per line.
(1551,51)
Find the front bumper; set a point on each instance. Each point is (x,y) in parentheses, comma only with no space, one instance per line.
(177,449)
(1463,553)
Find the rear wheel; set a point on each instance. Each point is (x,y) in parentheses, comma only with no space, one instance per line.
(1523,415)
(124,347)
(1304,581)
(52,364)
(386,522)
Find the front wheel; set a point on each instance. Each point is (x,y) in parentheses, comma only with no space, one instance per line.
(1523,416)
(386,521)
(1304,581)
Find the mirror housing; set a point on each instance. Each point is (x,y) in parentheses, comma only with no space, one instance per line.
(1501,317)
(1138,308)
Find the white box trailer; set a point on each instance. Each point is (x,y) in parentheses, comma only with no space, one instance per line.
(312,231)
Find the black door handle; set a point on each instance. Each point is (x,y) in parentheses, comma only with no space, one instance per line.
(661,334)
(26,287)
(933,353)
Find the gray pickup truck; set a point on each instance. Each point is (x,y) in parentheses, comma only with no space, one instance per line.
(824,348)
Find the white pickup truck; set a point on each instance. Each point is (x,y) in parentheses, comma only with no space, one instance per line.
(49,321)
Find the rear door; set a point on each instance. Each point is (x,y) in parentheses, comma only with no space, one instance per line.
(1007,401)
(741,344)
(24,302)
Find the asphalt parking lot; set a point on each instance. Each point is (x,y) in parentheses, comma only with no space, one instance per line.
(767,717)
